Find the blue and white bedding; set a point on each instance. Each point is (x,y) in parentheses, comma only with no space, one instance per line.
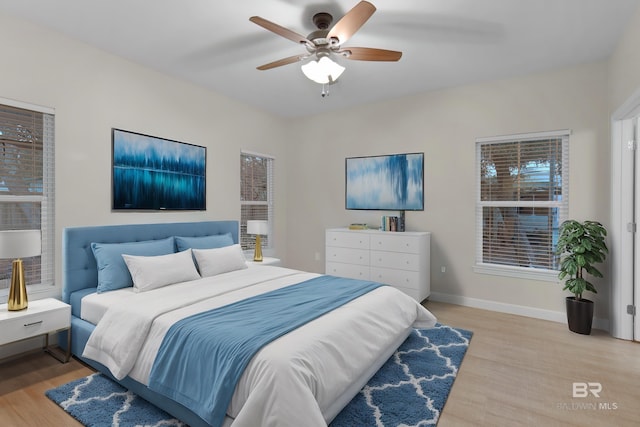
(302,378)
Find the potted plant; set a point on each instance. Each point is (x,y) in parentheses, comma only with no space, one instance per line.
(581,245)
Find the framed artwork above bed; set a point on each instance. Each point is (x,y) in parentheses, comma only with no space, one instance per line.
(152,173)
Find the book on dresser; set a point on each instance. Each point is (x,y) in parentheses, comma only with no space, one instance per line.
(401,260)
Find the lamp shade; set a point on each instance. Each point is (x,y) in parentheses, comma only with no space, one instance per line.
(257,227)
(20,243)
(322,71)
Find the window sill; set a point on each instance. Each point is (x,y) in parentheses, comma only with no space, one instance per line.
(517,272)
(41,291)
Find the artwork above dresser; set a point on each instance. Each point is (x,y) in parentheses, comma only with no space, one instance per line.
(401,260)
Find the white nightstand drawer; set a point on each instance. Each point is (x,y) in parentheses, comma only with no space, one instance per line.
(41,317)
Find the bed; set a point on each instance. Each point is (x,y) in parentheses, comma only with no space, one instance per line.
(303,375)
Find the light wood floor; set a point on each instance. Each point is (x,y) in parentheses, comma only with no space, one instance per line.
(517,372)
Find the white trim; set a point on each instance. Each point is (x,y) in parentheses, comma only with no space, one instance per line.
(518,272)
(34,292)
(519,310)
(526,136)
(14,198)
(521,203)
(629,109)
(254,153)
(620,240)
(27,106)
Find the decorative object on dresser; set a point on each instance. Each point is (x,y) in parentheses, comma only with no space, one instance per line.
(401,260)
(258,228)
(18,244)
(43,317)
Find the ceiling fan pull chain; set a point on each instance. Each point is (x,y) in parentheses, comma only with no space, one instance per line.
(325,91)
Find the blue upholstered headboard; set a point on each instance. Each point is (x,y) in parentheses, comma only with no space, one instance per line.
(79,270)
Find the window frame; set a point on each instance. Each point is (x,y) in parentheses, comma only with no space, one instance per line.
(46,199)
(268,245)
(533,273)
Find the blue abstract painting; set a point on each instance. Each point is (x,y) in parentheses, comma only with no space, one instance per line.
(151,173)
(390,182)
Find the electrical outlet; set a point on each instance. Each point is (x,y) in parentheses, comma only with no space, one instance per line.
(317,256)
(443,269)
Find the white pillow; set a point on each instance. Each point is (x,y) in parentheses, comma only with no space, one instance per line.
(219,260)
(151,272)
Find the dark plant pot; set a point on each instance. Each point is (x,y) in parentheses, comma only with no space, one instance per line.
(579,315)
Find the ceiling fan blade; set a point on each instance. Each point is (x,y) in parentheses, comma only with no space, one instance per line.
(281,62)
(369,54)
(280,30)
(351,22)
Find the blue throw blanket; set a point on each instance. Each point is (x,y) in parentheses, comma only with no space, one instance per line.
(203,356)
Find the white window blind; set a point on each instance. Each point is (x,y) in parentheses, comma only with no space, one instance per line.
(27,185)
(522,198)
(256,196)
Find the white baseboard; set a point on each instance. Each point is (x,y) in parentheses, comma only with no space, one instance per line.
(520,310)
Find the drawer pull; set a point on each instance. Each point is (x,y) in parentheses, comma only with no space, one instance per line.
(32,323)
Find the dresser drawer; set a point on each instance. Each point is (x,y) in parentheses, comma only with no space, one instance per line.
(396,278)
(347,256)
(347,240)
(395,260)
(32,325)
(396,242)
(347,270)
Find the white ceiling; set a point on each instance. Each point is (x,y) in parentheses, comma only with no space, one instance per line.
(444,42)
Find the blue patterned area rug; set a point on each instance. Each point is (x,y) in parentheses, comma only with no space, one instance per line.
(410,389)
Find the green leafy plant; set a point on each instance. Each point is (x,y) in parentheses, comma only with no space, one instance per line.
(581,245)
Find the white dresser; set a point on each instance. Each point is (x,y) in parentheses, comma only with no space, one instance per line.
(399,259)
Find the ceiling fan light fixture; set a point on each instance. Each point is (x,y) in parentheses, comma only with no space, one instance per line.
(322,71)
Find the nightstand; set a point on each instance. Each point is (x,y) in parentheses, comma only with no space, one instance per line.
(265,261)
(42,317)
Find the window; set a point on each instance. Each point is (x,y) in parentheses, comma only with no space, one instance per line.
(256,196)
(27,185)
(522,198)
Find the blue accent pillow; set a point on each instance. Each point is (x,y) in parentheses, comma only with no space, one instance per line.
(213,241)
(112,271)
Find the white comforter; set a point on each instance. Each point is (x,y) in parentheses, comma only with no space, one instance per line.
(302,378)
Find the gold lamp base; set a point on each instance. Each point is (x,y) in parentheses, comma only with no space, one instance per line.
(257,254)
(18,290)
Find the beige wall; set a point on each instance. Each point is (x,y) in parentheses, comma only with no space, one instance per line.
(624,65)
(444,125)
(92,91)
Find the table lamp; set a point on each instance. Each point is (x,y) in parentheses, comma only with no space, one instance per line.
(18,244)
(258,228)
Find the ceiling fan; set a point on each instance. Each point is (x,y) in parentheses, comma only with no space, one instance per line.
(326,42)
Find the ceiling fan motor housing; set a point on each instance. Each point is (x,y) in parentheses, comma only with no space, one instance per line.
(322,20)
